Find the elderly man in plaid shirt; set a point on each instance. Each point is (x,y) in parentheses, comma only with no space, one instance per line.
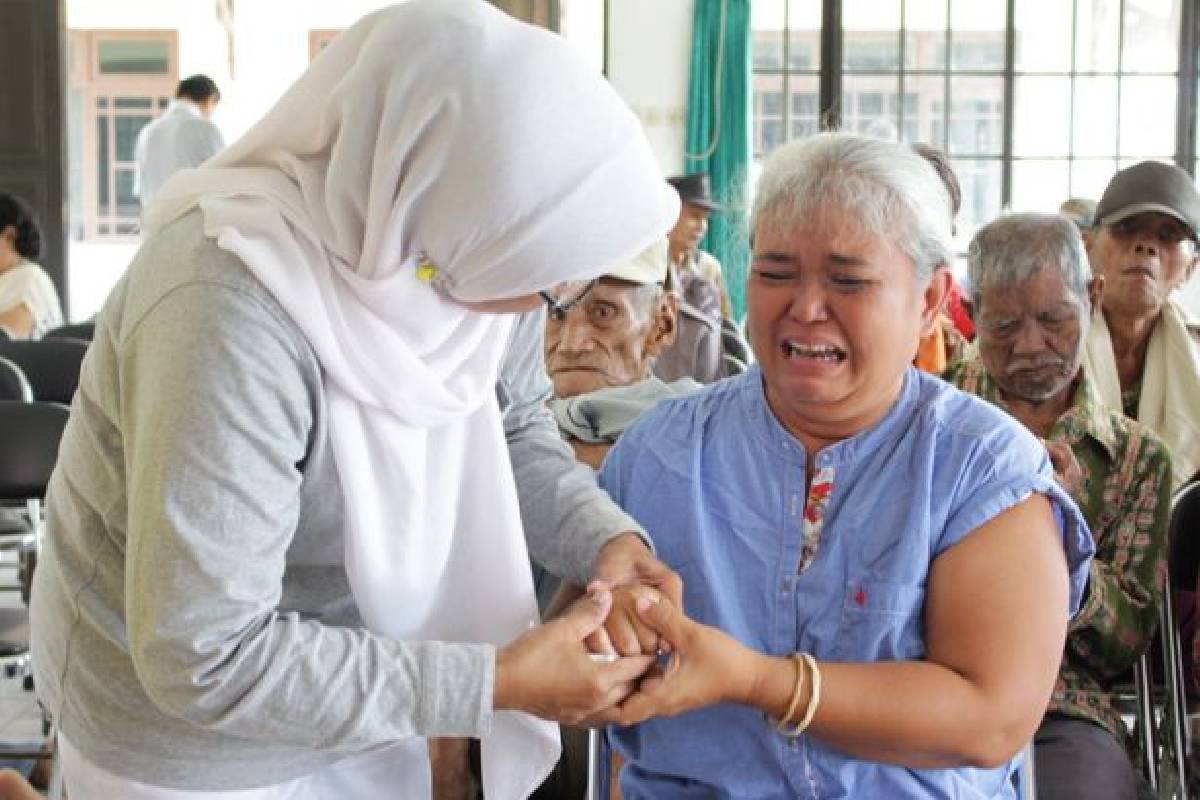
(1034,295)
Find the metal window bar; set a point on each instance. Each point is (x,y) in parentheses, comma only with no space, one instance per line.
(1188,76)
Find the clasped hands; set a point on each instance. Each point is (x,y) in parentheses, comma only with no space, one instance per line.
(658,662)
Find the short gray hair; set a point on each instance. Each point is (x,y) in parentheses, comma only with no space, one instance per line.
(1015,247)
(884,185)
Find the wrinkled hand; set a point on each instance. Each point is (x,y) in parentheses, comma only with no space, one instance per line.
(548,671)
(626,561)
(1067,471)
(706,665)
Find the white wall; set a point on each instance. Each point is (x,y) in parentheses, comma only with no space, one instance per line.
(1189,295)
(649,50)
(271,50)
(649,45)
(270,43)
(581,22)
(203,45)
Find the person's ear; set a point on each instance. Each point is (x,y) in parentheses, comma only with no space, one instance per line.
(665,325)
(1095,293)
(1089,236)
(935,297)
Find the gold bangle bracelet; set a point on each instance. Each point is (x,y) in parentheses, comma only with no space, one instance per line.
(791,709)
(814,699)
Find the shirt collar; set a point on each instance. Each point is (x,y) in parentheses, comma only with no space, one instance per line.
(780,440)
(1086,416)
(186,105)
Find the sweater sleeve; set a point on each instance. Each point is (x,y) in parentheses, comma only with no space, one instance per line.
(567,517)
(217,400)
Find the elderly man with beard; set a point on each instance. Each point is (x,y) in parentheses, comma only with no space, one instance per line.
(1034,297)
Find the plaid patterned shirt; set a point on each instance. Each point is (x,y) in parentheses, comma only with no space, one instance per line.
(1125,497)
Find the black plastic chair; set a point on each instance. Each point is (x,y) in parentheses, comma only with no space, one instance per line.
(1158,676)
(13,383)
(1185,539)
(51,366)
(31,433)
(84,331)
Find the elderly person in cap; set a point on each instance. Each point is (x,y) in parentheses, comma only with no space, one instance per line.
(289,530)
(1143,351)
(696,206)
(599,353)
(708,346)
(878,569)
(1034,295)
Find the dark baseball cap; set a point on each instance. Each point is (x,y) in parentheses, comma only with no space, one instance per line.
(695,189)
(1151,186)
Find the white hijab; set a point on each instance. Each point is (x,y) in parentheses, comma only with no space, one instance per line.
(439,131)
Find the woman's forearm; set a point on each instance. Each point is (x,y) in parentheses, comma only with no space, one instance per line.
(928,715)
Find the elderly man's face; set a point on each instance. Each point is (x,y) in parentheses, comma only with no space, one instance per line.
(609,339)
(1142,259)
(834,319)
(1031,335)
(690,227)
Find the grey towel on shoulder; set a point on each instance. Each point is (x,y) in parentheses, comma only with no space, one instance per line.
(602,416)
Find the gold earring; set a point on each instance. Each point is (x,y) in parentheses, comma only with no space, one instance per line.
(426,272)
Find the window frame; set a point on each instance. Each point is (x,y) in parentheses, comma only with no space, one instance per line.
(93,86)
(834,73)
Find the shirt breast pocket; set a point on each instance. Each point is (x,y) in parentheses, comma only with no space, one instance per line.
(882,621)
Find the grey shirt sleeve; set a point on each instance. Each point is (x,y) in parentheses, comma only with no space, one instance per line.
(218,396)
(567,517)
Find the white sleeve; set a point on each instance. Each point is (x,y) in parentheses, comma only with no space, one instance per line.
(212,143)
(29,285)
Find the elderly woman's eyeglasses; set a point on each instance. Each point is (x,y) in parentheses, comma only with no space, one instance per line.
(562,298)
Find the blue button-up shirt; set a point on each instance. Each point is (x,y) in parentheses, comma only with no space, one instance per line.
(720,486)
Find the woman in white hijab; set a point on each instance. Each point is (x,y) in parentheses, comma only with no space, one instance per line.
(298,373)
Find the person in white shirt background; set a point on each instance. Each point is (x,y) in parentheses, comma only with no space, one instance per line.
(183,137)
(29,303)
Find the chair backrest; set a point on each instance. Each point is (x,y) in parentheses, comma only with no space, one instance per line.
(84,331)
(13,383)
(51,366)
(31,433)
(1184,538)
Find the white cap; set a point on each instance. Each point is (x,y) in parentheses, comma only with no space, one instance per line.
(647,267)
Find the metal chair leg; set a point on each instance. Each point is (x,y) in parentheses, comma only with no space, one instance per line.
(1145,720)
(597,765)
(1175,702)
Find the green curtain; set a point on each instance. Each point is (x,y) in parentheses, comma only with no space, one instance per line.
(718,130)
